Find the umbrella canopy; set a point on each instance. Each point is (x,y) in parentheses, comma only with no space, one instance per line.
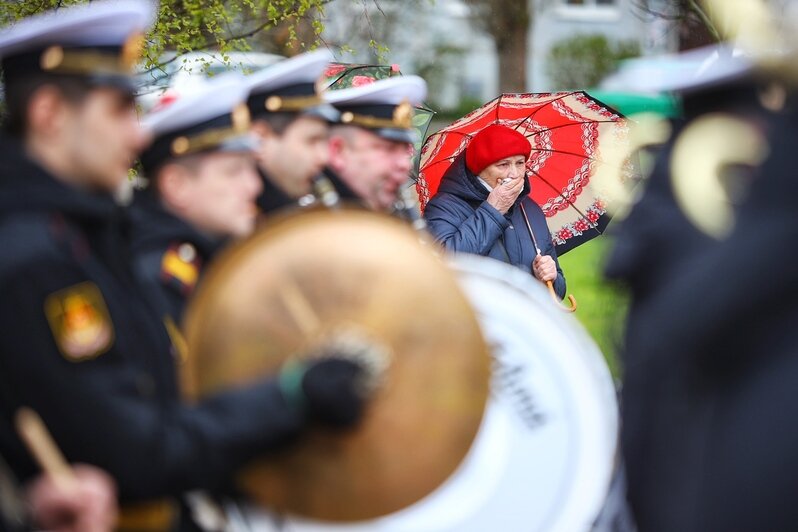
(346,75)
(567,131)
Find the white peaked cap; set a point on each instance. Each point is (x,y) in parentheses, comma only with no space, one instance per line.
(686,72)
(391,91)
(106,23)
(207,100)
(303,68)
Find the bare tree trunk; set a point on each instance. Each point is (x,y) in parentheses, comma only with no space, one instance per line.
(507,22)
(512,53)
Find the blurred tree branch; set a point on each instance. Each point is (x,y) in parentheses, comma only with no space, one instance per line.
(286,27)
(694,24)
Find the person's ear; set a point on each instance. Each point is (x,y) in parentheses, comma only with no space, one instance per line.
(262,129)
(337,146)
(174,185)
(47,111)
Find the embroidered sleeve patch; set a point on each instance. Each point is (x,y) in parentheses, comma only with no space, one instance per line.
(80,322)
(180,267)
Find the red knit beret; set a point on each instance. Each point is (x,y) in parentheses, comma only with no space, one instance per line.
(493,144)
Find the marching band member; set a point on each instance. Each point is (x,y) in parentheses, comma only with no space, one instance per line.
(371,145)
(202,189)
(78,341)
(292,124)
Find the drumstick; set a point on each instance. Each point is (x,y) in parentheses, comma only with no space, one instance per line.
(41,445)
(299,308)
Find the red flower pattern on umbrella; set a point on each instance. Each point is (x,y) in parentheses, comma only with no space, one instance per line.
(581,226)
(360,81)
(333,70)
(565,234)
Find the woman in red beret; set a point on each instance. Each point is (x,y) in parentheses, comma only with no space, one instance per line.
(476,207)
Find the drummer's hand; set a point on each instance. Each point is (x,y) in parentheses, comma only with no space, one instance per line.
(504,195)
(544,268)
(90,506)
(331,391)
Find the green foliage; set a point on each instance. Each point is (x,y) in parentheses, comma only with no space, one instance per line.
(436,64)
(464,106)
(13,10)
(582,61)
(380,51)
(188,25)
(227,25)
(602,305)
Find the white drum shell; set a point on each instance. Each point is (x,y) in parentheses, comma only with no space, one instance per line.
(543,457)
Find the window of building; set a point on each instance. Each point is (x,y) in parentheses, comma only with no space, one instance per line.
(590,2)
(590,10)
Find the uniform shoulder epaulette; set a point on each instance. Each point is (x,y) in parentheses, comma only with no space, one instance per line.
(180,267)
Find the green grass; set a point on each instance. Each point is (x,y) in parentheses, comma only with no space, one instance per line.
(602,305)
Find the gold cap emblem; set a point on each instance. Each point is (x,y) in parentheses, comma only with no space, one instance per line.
(241,117)
(52,58)
(403,115)
(131,51)
(273,103)
(180,145)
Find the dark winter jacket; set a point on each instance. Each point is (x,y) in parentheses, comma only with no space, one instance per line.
(460,217)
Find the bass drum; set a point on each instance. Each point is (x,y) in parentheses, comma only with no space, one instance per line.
(544,454)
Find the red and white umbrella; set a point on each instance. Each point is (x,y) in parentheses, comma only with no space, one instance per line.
(567,132)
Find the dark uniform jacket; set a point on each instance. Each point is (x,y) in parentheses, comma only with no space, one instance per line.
(460,217)
(169,255)
(661,433)
(80,345)
(731,323)
(743,354)
(272,199)
(13,514)
(345,193)
(708,432)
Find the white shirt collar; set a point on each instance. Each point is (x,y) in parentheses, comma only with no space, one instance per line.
(485,184)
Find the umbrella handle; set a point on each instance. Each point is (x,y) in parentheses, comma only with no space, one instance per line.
(571,299)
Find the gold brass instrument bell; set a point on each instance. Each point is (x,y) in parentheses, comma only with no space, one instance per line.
(336,278)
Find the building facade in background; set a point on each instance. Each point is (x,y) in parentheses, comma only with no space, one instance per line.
(440,41)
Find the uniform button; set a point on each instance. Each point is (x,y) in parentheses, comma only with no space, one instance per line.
(186,252)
